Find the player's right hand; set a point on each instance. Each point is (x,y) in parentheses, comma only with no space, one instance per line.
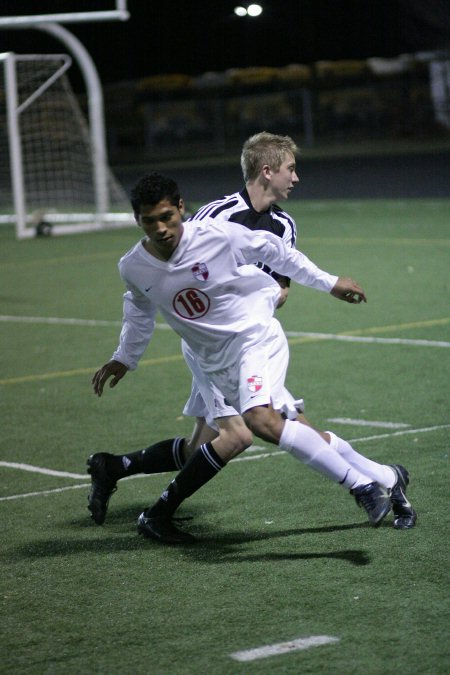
(113,369)
(348,290)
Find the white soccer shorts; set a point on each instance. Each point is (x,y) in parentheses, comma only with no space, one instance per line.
(256,379)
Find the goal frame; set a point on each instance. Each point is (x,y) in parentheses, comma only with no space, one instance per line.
(51,24)
(14,109)
(120,13)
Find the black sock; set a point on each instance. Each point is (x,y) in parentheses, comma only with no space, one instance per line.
(163,456)
(203,465)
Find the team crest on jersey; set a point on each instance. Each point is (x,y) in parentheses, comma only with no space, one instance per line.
(200,271)
(254,383)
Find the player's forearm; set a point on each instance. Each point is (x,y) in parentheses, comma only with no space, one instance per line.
(137,329)
(312,276)
(272,251)
(296,265)
(129,351)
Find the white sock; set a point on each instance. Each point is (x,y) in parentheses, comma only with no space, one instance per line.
(381,473)
(308,446)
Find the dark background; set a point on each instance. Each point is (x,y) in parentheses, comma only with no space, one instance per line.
(419,174)
(194,36)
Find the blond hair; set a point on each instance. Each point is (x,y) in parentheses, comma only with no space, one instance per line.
(265,148)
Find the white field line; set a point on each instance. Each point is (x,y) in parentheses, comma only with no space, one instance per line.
(243,458)
(80,476)
(373,340)
(263,455)
(43,492)
(38,469)
(368,423)
(52,320)
(283,648)
(424,430)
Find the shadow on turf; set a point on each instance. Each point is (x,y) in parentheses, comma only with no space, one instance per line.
(219,550)
(212,546)
(354,557)
(230,546)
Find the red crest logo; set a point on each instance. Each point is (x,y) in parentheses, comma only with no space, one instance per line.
(254,383)
(200,271)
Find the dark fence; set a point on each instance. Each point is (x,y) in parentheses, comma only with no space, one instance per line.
(179,116)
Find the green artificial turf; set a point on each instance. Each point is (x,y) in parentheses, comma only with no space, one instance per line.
(281,552)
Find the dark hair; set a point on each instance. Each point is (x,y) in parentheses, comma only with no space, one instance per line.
(152,188)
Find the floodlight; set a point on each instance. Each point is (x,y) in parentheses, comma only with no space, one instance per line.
(254,10)
(240,11)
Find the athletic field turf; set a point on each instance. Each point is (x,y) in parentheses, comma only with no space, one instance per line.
(286,571)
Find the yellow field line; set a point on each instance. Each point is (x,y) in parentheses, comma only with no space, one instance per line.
(400,326)
(369,240)
(83,371)
(306,240)
(62,259)
(178,357)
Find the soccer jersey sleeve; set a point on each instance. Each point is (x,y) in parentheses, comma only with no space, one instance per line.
(138,323)
(271,250)
(290,234)
(289,237)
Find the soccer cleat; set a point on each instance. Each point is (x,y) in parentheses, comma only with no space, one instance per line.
(162,529)
(405,516)
(300,405)
(102,486)
(375,499)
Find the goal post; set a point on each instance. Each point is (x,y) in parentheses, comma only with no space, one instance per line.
(52,174)
(72,14)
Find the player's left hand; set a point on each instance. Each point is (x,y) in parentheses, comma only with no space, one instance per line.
(348,290)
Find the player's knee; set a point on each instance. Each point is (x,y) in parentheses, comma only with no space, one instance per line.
(238,441)
(265,423)
(233,441)
(243,439)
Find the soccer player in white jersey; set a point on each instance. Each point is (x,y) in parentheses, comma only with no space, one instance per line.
(268,163)
(269,169)
(198,276)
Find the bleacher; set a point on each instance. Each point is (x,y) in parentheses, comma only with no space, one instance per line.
(175,115)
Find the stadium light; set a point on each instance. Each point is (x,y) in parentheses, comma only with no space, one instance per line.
(252,10)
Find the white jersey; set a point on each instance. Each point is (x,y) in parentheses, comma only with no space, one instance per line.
(207,294)
(238,208)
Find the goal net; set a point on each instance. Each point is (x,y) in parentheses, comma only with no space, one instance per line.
(49,179)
